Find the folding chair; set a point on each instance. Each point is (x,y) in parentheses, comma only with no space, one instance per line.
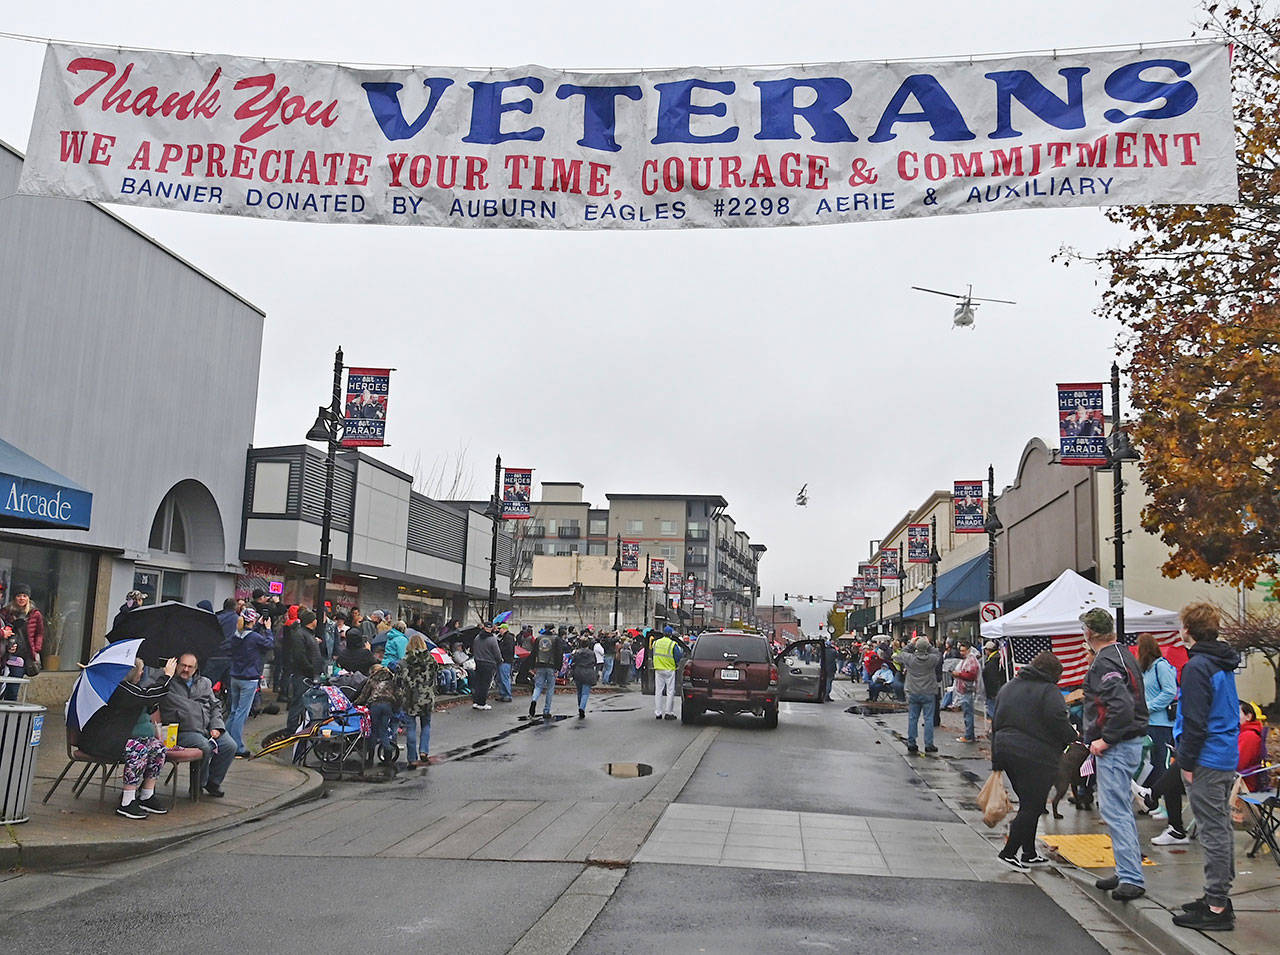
(1263,813)
(93,764)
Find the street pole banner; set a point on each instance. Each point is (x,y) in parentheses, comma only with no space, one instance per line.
(870,579)
(517,484)
(657,571)
(674,583)
(531,147)
(917,543)
(686,592)
(630,555)
(1081,425)
(700,598)
(966,501)
(889,564)
(364,419)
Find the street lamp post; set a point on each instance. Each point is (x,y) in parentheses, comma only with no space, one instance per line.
(494,513)
(992,527)
(873,549)
(934,560)
(617,580)
(691,580)
(326,427)
(1119,450)
(902,580)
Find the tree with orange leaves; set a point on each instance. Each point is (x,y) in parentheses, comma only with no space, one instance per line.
(1197,291)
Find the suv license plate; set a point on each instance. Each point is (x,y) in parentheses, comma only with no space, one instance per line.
(729,674)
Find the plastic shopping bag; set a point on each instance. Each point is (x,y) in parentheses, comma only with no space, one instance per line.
(993,800)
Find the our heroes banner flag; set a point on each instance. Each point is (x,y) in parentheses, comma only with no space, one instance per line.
(630,555)
(517,484)
(917,543)
(674,583)
(966,501)
(1081,426)
(532,147)
(889,564)
(364,417)
(657,571)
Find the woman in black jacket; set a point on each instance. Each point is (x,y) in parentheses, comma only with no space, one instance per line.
(123,730)
(1030,729)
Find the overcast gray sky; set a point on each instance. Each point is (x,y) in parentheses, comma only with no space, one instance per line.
(779,356)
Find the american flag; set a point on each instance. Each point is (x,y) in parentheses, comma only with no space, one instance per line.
(1070,649)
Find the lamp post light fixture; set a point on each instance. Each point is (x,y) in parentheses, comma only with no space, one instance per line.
(992,526)
(1119,450)
(934,560)
(326,429)
(494,513)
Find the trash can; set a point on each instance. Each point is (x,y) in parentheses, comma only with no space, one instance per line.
(21,726)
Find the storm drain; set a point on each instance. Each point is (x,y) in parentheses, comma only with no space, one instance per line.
(628,770)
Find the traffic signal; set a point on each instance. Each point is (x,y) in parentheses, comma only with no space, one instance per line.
(811,598)
(786,596)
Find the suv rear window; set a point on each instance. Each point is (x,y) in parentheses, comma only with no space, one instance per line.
(711,646)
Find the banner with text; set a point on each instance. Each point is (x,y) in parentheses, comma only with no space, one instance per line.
(889,564)
(687,590)
(1082,430)
(674,583)
(663,149)
(657,571)
(517,488)
(364,417)
(966,505)
(630,555)
(918,543)
(870,580)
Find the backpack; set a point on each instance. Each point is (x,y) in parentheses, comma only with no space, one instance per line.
(544,648)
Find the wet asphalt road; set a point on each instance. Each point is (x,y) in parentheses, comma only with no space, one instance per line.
(296,883)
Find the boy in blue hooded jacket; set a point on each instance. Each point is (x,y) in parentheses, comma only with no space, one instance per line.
(1206,733)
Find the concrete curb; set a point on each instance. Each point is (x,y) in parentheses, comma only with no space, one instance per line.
(14,855)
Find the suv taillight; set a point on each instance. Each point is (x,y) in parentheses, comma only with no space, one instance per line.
(773,673)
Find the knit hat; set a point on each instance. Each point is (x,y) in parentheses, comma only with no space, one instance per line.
(21,589)
(306,616)
(1099,621)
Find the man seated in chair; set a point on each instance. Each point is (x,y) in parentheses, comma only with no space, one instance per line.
(191,704)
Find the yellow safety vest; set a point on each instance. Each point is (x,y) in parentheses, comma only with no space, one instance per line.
(664,654)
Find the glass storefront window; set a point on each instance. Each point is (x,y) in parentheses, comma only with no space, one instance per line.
(62,583)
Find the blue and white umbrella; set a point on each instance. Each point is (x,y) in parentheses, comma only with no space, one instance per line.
(99,679)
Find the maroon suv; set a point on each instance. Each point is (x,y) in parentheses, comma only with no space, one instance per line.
(730,671)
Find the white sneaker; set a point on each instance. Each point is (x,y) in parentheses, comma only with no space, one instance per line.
(1160,813)
(487,706)
(476,706)
(1142,792)
(1170,837)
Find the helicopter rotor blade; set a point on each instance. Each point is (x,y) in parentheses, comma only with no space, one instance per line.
(1002,301)
(936,292)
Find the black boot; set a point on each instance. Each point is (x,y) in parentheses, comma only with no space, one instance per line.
(582,714)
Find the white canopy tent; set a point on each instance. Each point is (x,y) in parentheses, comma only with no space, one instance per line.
(1056,611)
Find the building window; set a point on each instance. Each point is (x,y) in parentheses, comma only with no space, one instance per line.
(598,527)
(598,549)
(63,583)
(634,527)
(668,529)
(667,550)
(169,529)
(160,585)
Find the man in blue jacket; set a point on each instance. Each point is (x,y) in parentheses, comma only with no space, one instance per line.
(1206,733)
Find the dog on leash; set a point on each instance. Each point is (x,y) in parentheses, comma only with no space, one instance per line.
(1069,779)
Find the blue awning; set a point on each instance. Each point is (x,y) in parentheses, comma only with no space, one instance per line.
(958,589)
(34,495)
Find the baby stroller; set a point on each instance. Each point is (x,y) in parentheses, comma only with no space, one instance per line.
(338,729)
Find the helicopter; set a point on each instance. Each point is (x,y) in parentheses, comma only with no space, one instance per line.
(802,496)
(965,304)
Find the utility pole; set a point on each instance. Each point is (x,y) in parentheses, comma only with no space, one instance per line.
(993,526)
(495,511)
(934,559)
(1118,455)
(617,580)
(902,581)
(326,429)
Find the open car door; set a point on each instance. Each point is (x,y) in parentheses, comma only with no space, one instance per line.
(801,681)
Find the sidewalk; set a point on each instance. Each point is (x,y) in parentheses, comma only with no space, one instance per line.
(67,832)
(1175,878)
